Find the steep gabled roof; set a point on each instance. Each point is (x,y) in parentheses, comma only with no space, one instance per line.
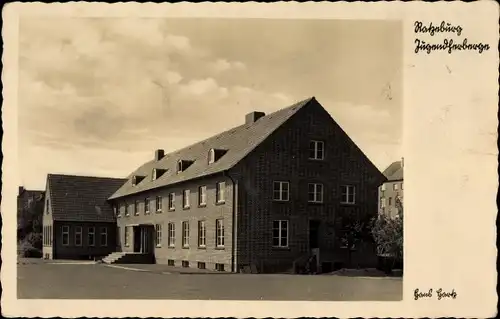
(394,172)
(81,198)
(238,142)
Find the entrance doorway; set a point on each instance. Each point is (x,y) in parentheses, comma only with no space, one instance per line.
(314,234)
(144,239)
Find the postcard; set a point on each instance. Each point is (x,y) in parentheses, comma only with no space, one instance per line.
(250,159)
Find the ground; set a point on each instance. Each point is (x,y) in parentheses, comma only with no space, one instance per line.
(71,280)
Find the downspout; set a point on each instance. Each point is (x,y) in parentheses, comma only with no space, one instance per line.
(234,222)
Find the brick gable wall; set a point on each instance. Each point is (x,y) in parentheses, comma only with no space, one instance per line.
(284,156)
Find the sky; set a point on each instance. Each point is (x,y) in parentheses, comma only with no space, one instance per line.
(97,96)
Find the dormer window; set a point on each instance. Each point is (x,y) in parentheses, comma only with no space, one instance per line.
(136,180)
(211,156)
(215,154)
(182,165)
(157,173)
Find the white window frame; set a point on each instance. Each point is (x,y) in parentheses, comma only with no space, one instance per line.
(79,231)
(186,194)
(401,186)
(171,201)
(317,195)
(159,204)
(220,192)
(127,209)
(395,186)
(280,237)
(211,156)
(185,234)
(65,231)
(202,196)
(136,208)
(91,231)
(316,149)
(104,234)
(219,233)
(158,234)
(382,202)
(147,205)
(202,234)
(171,235)
(347,194)
(383,187)
(280,191)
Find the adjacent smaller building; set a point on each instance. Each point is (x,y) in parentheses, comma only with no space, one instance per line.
(78,223)
(392,190)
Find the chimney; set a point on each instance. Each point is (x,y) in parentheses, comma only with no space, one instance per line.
(21,189)
(252,117)
(159,154)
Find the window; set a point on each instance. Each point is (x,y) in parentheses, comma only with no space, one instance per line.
(146,206)
(185,264)
(219,267)
(179,166)
(127,210)
(280,233)
(127,236)
(395,186)
(202,196)
(316,150)
(171,262)
(202,234)
(116,211)
(219,233)
(220,192)
(390,201)
(171,201)
(136,208)
(91,236)
(104,236)
(159,203)
(78,236)
(158,235)
(401,186)
(281,191)
(349,195)
(185,234)
(201,265)
(185,198)
(382,202)
(211,156)
(315,193)
(47,206)
(65,235)
(382,188)
(171,235)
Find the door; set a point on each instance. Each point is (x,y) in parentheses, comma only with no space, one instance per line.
(314,234)
(137,239)
(146,239)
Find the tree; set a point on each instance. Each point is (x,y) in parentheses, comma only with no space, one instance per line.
(388,234)
(353,230)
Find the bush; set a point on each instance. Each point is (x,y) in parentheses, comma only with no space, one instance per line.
(28,250)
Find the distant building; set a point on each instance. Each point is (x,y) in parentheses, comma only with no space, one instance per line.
(78,223)
(392,190)
(259,197)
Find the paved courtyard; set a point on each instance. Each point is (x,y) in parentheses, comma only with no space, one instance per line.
(99,281)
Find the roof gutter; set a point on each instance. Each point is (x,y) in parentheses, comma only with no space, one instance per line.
(234,221)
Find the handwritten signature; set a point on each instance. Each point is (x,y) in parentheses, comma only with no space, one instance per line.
(440,294)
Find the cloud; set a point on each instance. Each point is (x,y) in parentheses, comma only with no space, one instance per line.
(223,65)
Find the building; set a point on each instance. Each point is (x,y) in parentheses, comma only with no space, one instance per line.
(392,190)
(78,222)
(260,197)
